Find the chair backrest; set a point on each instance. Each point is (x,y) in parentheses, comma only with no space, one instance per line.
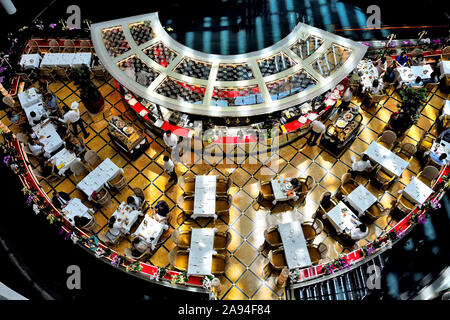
(430,172)
(139,193)
(85,46)
(22,137)
(8,101)
(318,226)
(54,46)
(105,199)
(408,149)
(77,167)
(69,45)
(388,137)
(346,178)
(92,158)
(323,249)
(309,182)
(33,46)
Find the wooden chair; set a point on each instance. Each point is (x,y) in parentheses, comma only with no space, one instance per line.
(404,205)
(69,46)
(223,204)
(222,240)
(189,186)
(376,211)
(375,99)
(219,262)
(266,192)
(446,53)
(33,47)
(103,198)
(178,259)
(272,236)
(426,142)
(78,169)
(63,73)
(91,225)
(317,252)
(277,258)
(383,178)
(92,159)
(348,184)
(387,139)
(407,151)
(312,229)
(85,46)
(50,179)
(431,162)
(428,175)
(182,238)
(128,254)
(138,192)
(307,184)
(103,238)
(48,73)
(188,205)
(54,46)
(118,182)
(25,77)
(99,72)
(321,210)
(222,186)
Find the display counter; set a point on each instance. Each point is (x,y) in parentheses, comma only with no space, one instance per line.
(129,139)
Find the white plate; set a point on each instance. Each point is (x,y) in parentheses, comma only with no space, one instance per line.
(302,119)
(312,116)
(340,87)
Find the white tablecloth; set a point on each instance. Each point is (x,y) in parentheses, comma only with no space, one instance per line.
(446,108)
(81,58)
(126,217)
(76,208)
(294,244)
(369,72)
(409,74)
(201,251)
(205,197)
(30,61)
(417,191)
(47,134)
(37,108)
(29,98)
(445,67)
(361,199)
(440,148)
(99,177)
(63,159)
(386,158)
(280,188)
(150,231)
(343,219)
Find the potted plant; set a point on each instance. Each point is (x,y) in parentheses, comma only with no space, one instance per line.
(409,110)
(90,96)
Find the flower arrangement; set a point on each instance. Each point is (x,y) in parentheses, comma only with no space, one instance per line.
(294,275)
(181,278)
(206,281)
(432,204)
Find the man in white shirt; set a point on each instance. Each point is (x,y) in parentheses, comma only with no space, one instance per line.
(72,115)
(171,140)
(317,128)
(361,165)
(346,98)
(169,168)
(360,232)
(36,147)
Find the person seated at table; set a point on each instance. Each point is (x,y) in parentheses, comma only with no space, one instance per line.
(47,168)
(61,129)
(446,135)
(81,221)
(418,61)
(375,88)
(36,147)
(360,232)
(381,65)
(161,211)
(440,159)
(34,118)
(60,199)
(360,166)
(416,83)
(296,184)
(389,75)
(134,202)
(12,117)
(402,59)
(113,232)
(51,102)
(73,146)
(434,78)
(139,247)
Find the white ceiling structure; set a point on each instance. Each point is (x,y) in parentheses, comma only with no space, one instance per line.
(303,65)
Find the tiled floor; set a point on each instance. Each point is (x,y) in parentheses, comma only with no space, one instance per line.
(244,277)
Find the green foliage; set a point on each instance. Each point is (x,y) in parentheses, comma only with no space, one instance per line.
(412,103)
(82,79)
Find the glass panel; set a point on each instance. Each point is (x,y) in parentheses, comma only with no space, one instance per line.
(176,89)
(114,41)
(228,97)
(161,54)
(194,69)
(331,60)
(305,48)
(141,32)
(234,72)
(275,64)
(138,71)
(291,85)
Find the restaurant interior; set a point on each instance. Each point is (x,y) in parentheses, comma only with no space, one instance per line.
(276,174)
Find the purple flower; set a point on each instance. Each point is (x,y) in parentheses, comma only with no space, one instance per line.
(15,40)
(71,28)
(52,25)
(437,41)
(367,44)
(3,69)
(40,26)
(422,219)
(2,79)
(406,42)
(6,160)
(29,200)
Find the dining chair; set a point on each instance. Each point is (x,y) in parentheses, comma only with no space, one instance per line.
(428,175)
(91,225)
(376,211)
(218,265)
(118,182)
(54,46)
(48,73)
(188,185)
(103,198)
(426,142)
(311,229)
(404,205)
(317,252)
(85,46)
(277,258)
(383,178)
(92,159)
(266,192)
(69,46)
(222,186)
(348,184)
(387,139)
(179,259)
(138,192)
(24,77)
(78,169)
(188,205)
(103,238)
(63,73)
(307,184)
(406,151)
(223,204)
(182,239)
(33,47)
(272,236)
(222,240)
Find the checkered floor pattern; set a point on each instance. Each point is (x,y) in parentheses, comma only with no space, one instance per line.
(244,277)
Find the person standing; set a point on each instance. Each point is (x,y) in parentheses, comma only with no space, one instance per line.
(360,166)
(171,140)
(346,98)
(60,199)
(317,128)
(72,115)
(169,168)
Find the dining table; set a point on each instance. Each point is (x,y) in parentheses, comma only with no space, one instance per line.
(282,189)
(99,177)
(369,73)
(201,251)
(30,61)
(417,191)
(386,158)
(63,159)
(46,133)
(440,147)
(29,97)
(126,217)
(40,113)
(150,231)
(75,208)
(361,199)
(342,218)
(444,67)
(205,197)
(405,75)
(294,244)
(446,108)
(51,60)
